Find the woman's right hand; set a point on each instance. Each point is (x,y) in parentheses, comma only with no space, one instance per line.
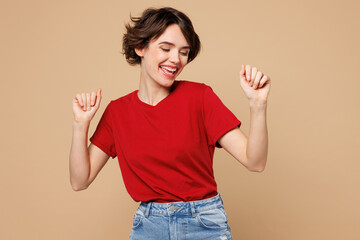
(85,106)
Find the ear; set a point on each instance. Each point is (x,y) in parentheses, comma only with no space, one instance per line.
(139,52)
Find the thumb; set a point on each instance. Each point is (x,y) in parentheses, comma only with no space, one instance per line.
(243,82)
(242,72)
(98,98)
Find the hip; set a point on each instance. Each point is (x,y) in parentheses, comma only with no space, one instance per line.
(202,219)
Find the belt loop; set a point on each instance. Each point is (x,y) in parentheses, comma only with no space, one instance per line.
(220,199)
(147,211)
(193,212)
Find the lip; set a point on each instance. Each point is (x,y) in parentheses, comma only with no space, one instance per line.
(166,74)
(171,66)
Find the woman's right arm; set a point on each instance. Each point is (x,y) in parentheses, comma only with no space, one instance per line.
(84,162)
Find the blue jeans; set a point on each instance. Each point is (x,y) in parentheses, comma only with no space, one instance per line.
(194,220)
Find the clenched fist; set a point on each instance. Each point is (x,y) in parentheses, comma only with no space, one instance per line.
(255,84)
(85,106)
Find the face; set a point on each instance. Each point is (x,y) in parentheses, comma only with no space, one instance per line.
(165,57)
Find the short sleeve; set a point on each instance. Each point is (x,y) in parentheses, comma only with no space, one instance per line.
(218,118)
(103,136)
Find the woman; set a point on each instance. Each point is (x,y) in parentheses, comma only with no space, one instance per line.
(165,133)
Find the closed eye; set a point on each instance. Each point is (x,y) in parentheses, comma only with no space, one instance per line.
(182,53)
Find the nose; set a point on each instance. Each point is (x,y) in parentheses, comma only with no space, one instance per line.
(174,57)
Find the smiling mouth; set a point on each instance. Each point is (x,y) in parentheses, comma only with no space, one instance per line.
(169,71)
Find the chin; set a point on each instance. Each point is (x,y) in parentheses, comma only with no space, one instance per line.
(167,83)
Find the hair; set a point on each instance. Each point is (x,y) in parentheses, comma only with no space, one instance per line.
(151,25)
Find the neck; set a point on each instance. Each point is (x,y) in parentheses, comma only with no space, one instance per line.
(151,92)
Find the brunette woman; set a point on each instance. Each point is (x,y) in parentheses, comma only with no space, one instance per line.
(164,134)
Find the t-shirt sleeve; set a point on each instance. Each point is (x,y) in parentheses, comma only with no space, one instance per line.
(218,118)
(103,136)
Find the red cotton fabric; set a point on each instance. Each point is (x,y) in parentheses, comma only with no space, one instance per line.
(165,152)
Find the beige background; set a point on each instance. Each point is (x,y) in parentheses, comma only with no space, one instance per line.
(51,50)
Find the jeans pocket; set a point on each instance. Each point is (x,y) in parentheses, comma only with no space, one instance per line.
(213,219)
(137,220)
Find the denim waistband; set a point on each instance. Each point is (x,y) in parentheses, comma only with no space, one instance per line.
(182,208)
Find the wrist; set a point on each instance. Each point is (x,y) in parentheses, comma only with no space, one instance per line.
(81,125)
(258,104)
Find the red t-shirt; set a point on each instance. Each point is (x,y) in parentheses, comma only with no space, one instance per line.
(165,152)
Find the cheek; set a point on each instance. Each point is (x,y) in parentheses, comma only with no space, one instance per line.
(184,62)
(159,54)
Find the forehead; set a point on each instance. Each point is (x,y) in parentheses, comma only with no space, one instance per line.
(173,34)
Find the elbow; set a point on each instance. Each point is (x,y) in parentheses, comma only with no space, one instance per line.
(257,168)
(78,187)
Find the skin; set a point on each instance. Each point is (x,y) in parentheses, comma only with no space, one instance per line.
(251,151)
(170,49)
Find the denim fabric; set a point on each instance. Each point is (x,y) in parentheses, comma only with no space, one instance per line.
(195,220)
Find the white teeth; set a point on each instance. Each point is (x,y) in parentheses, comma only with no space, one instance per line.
(169,69)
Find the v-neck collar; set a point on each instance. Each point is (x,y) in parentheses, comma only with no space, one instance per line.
(165,99)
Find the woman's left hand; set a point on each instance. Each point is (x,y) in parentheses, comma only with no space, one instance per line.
(255,84)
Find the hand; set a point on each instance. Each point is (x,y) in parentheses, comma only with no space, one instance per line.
(85,106)
(255,84)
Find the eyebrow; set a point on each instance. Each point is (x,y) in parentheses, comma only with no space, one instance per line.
(169,43)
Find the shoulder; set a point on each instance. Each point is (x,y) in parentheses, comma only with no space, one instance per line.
(196,91)
(123,99)
(121,103)
(193,86)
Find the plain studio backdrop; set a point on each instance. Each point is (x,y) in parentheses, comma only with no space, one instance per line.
(51,50)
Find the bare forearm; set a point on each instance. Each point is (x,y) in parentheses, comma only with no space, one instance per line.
(257,146)
(79,156)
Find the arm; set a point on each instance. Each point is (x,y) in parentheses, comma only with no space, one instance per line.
(84,162)
(251,151)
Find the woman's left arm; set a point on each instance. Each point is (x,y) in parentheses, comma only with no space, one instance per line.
(251,151)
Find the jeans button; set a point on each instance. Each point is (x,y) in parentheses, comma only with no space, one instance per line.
(173,208)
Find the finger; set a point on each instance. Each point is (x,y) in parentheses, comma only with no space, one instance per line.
(242,72)
(98,98)
(79,99)
(253,74)
(92,98)
(257,79)
(248,72)
(83,96)
(88,102)
(264,80)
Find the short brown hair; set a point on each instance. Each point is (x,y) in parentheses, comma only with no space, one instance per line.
(151,25)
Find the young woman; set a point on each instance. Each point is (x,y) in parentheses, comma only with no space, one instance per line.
(165,133)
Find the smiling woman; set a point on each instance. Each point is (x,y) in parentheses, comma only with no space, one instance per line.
(151,25)
(164,58)
(165,133)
